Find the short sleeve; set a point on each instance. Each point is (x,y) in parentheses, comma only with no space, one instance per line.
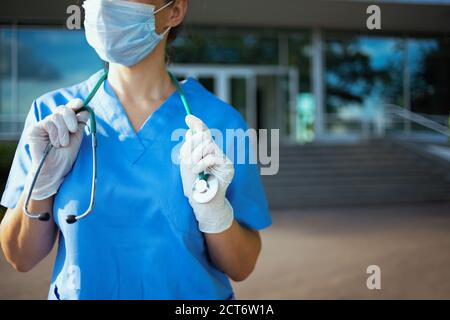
(246,192)
(20,166)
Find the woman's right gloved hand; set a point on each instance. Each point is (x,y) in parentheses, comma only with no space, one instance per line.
(64,130)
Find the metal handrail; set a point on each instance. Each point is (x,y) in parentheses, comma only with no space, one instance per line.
(416,118)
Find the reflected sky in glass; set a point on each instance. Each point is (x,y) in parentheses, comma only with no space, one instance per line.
(48,59)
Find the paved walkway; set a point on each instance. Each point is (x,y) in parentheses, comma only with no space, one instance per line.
(324,253)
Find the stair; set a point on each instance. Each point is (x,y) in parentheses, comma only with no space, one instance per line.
(376,172)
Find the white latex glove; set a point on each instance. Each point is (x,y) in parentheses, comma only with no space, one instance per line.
(64,129)
(200,153)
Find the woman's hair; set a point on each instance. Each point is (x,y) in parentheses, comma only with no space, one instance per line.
(173,33)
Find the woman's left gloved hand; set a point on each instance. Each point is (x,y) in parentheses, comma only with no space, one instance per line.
(200,153)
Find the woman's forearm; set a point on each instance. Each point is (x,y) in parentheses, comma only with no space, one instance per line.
(235,251)
(25,242)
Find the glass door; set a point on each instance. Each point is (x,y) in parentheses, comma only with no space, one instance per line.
(265,96)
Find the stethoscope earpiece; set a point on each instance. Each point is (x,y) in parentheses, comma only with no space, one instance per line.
(44,216)
(71,219)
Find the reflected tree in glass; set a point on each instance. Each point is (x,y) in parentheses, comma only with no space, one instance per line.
(350,77)
(198,45)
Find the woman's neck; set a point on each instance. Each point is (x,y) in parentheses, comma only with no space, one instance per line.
(143,83)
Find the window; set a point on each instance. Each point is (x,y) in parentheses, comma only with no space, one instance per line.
(8,90)
(199,45)
(5,71)
(50,59)
(361,74)
(429,70)
(300,57)
(34,61)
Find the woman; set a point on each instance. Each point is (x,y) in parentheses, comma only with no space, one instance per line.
(147,238)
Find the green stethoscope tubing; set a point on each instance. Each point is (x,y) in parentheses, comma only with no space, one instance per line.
(93,129)
(202,176)
(93,126)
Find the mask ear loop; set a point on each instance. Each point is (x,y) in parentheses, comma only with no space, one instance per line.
(164,6)
(165,32)
(160,9)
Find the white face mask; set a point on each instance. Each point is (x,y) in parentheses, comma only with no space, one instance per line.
(120,31)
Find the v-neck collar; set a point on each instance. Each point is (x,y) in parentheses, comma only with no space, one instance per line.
(135,143)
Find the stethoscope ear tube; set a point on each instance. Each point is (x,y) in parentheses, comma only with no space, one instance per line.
(70,218)
(42,216)
(74,218)
(93,128)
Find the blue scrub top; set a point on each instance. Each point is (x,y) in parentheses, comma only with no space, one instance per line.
(142,239)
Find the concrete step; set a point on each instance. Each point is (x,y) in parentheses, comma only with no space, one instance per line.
(373,165)
(417,181)
(339,171)
(372,173)
(337,191)
(360,199)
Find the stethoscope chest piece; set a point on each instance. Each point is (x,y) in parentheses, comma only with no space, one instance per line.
(205,190)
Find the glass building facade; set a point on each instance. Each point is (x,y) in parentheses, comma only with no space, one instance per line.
(34,61)
(270,76)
